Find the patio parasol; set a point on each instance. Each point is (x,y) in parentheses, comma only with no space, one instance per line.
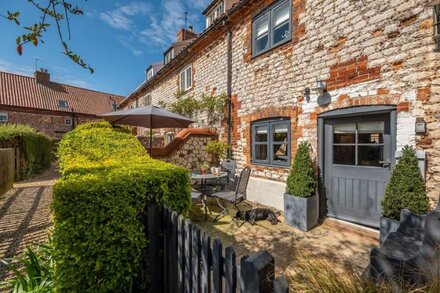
(148,117)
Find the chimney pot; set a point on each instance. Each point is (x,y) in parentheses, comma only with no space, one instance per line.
(42,77)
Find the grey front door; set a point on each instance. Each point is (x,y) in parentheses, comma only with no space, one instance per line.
(358,155)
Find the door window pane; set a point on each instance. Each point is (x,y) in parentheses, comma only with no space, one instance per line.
(371,132)
(344,133)
(344,154)
(261,152)
(280,132)
(261,133)
(370,155)
(280,153)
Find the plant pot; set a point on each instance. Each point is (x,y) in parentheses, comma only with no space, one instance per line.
(387,226)
(203,172)
(301,212)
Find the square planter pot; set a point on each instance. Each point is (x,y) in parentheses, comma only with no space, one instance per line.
(300,212)
(387,226)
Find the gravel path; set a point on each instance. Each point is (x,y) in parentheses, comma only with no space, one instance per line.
(25,215)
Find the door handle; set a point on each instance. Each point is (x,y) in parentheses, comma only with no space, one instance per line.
(385,163)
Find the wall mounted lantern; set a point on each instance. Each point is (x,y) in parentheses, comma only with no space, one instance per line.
(321,87)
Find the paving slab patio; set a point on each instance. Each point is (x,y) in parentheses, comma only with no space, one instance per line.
(332,239)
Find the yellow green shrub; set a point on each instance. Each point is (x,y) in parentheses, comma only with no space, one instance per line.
(99,208)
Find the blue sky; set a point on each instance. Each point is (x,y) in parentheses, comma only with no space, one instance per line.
(118,38)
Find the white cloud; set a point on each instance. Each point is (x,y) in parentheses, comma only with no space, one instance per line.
(121,18)
(163,28)
(200,4)
(17,69)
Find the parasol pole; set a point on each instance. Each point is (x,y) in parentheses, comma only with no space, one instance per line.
(151,134)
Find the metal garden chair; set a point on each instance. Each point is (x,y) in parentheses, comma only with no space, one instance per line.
(232,197)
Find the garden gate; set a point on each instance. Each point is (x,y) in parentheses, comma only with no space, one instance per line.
(183,259)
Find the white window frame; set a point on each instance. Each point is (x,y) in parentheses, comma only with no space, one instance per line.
(150,74)
(169,137)
(269,14)
(215,13)
(62,101)
(4,117)
(66,119)
(147,100)
(185,83)
(169,56)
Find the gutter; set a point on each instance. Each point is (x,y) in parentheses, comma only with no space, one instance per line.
(229,89)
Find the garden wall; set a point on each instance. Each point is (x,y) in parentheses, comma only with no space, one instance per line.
(7,170)
(187,149)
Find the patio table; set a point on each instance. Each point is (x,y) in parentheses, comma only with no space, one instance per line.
(203,178)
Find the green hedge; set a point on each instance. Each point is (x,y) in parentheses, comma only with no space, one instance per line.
(99,220)
(301,181)
(36,149)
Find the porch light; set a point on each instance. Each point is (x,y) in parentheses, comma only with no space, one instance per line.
(321,87)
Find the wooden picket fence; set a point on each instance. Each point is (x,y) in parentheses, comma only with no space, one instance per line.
(183,259)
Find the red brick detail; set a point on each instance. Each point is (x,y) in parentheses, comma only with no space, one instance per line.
(383,92)
(403,107)
(423,94)
(271,112)
(179,139)
(350,72)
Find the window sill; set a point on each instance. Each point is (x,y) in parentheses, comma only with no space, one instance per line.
(288,41)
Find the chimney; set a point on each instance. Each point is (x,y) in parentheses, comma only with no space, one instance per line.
(42,77)
(186,34)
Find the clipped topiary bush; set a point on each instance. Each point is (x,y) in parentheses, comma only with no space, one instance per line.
(36,149)
(406,189)
(301,181)
(99,208)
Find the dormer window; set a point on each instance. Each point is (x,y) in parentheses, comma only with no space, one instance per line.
(437,27)
(215,13)
(169,56)
(62,104)
(150,73)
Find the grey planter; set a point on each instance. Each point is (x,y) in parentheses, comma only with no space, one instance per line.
(300,212)
(387,226)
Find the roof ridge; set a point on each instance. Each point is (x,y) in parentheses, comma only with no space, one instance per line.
(65,84)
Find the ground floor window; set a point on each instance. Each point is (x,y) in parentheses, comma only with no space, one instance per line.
(4,117)
(271,142)
(68,121)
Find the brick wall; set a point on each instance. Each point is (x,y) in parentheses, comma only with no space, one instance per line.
(369,53)
(50,123)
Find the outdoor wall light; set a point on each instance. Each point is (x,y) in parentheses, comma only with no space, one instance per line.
(321,87)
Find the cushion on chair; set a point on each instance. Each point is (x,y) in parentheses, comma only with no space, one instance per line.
(227,195)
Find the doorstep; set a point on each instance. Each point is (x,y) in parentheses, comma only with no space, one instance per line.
(359,230)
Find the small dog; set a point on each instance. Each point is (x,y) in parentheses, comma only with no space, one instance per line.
(258,214)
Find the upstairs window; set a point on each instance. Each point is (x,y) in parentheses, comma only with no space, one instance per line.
(169,56)
(150,74)
(214,14)
(62,104)
(437,27)
(271,142)
(185,79)
(147,100)
(4,117)
(272,27)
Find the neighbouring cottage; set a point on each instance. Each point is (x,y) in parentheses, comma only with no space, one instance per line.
(358,79)
(50,107)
